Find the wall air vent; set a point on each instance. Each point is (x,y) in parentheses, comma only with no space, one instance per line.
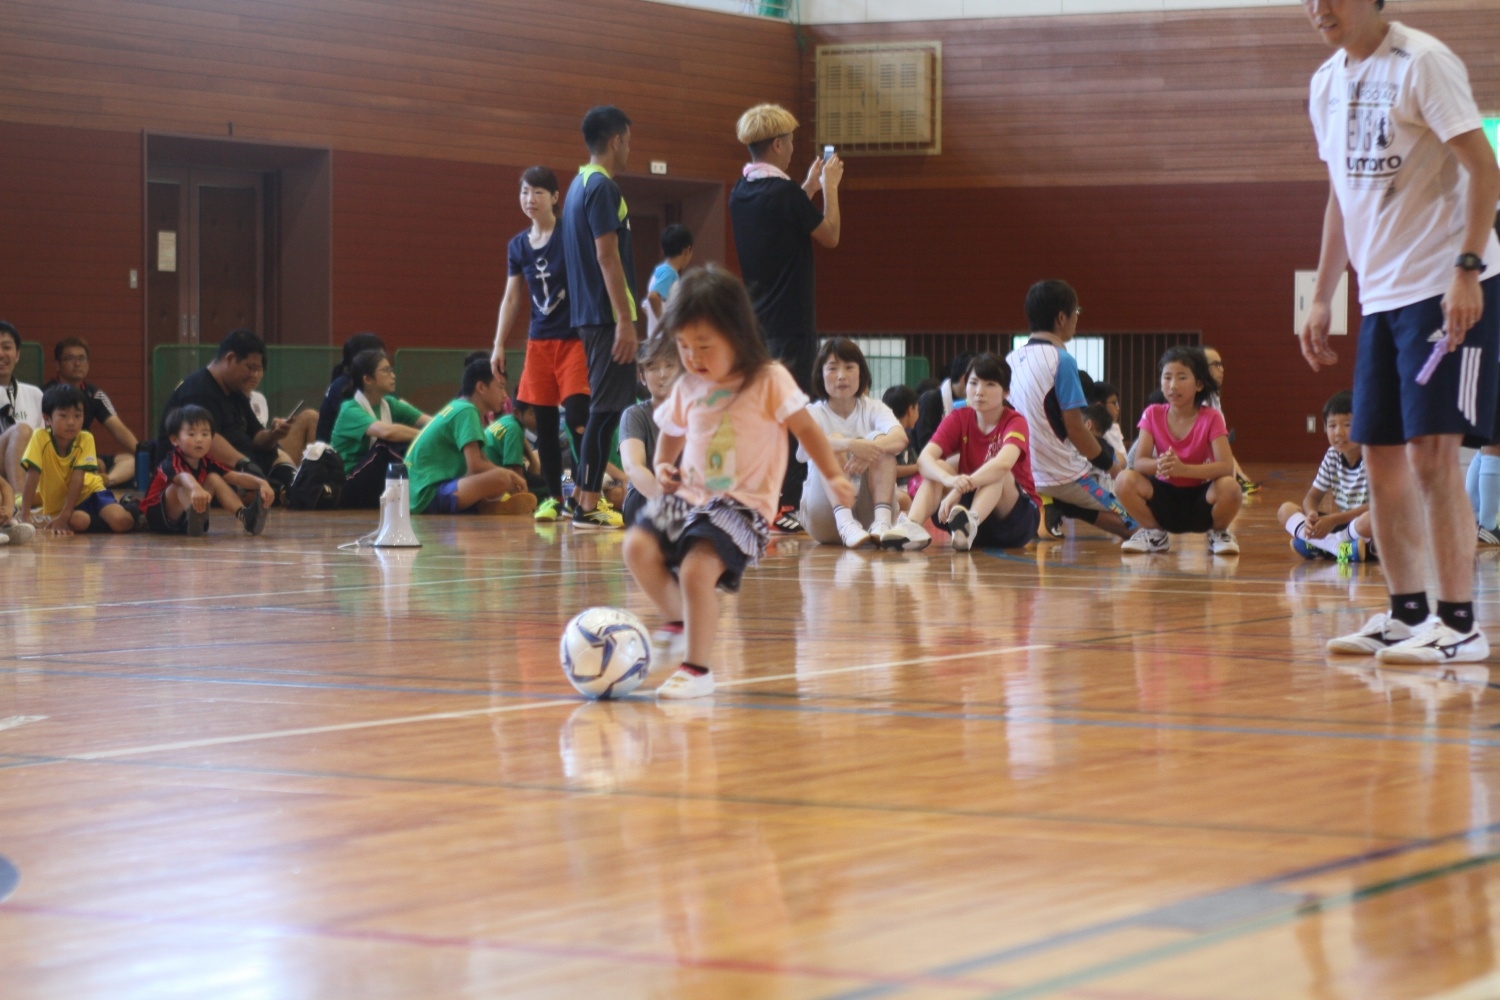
(880,99)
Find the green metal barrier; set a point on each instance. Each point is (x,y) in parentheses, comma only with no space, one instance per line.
(886,372)
(428,377)
(29,369)
(293,374)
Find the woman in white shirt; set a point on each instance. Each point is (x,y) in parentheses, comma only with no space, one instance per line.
(866,436)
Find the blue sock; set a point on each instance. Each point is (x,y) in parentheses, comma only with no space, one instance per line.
(1489,490)
(1471,484)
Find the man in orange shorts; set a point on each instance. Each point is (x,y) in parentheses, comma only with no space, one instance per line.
(556,373)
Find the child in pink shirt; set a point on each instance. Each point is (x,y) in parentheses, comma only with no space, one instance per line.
(720,461)
(1183,479)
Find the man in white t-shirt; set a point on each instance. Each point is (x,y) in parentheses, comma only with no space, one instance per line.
(1411,206)
(1045,387)
(20,408)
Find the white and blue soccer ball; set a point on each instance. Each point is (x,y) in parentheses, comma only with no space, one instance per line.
(606,652)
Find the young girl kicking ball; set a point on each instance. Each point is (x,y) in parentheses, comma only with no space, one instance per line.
(1183,480)
(989,499)
(865,435)
(720,459)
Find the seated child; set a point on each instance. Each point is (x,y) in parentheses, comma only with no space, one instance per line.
(1109,396)
(902,400)
(1097,419)
(62,468)
(1183,477)
(1346,533)
(536,480)
(449,473)
(660,367)
(989,498)
(505,445)
(373,427)
(187,480)
(866,437)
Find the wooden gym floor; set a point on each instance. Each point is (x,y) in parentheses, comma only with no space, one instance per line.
(241,768)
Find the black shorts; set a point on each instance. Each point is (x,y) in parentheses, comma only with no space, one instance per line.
(611,385)
(156,520)
(1004,531)
(1181,509)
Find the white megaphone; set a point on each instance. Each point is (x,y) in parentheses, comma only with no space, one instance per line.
(395,511)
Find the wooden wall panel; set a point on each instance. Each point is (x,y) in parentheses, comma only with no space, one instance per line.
(70,231)
(419,248)
(476,80)
(1215,259)
(1209,96)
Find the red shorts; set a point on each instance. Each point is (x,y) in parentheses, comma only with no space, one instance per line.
(554,370)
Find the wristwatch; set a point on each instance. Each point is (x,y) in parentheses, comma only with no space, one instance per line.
(1471,262)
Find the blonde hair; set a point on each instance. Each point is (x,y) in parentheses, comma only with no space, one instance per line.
(764,121)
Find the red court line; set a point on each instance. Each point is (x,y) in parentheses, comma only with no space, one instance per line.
(489,944)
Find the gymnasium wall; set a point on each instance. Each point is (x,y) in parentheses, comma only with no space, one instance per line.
(1161,163)
(430,108)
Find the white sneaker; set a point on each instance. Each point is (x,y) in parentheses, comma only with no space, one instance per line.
(1148,540)
(1380,632)
(964,527)
(19,533)
(906,535)
(854,535)
(685,684)
(879,528)
(1222,543)
(1436,642)
(668,649)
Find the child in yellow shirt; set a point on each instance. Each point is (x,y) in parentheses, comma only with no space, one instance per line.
(62,468)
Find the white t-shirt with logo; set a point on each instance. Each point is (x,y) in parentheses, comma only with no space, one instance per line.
(1381,125)
(20,403)
(871,419)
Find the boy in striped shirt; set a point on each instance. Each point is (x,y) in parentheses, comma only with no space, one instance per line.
(1345,533)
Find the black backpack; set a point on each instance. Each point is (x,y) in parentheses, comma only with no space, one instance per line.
(318,484)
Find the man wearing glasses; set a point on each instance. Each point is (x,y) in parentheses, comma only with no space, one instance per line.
(222,387)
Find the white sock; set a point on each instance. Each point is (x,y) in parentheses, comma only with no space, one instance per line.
(1328,543)
(882,517)
(842,516)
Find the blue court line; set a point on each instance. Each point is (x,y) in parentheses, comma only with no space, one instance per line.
(19,760)
(1072,979)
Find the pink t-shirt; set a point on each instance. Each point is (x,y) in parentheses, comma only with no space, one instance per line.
(736,437)
(1195,449)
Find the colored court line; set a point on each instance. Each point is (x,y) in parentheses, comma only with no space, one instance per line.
(1302,908)
(316,730)
(468,943)
(21,760)
(878,666)
(10,877)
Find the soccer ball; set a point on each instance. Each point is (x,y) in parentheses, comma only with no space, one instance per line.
(606,652)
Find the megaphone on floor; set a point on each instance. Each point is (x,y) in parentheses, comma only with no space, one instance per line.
(395,511)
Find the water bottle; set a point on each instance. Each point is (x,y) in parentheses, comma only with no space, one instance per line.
(567,486)
(144,469)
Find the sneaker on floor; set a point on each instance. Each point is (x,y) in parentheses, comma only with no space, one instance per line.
(1307,550)
(964,527)
(907,535)
(853,535)
(1438,642)
(197,522)
(253,516)
(1488,537)
(1355,550)
(1380,632)
(1052,518)
(18,533)
(602,516)
(1246,486)
(668,648)
(509,504)
(1222,543)
(1147,540)
(686,684)
(547,510)
(786,523)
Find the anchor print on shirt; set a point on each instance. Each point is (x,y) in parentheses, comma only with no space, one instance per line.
(549,302)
